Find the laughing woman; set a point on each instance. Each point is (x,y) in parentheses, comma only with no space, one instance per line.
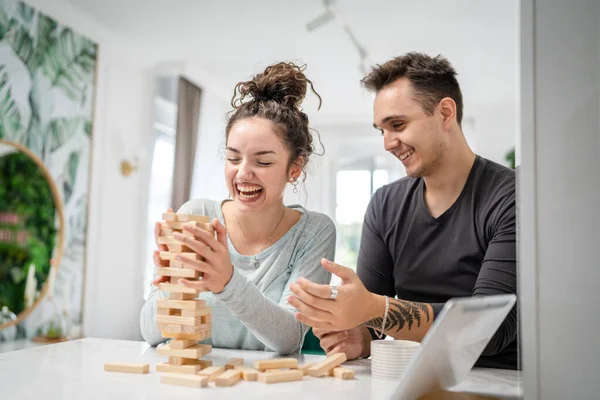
(262,245)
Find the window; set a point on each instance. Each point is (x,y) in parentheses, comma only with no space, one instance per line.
(354,188)
(161,178)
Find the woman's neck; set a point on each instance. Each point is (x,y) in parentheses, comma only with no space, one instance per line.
(254,228)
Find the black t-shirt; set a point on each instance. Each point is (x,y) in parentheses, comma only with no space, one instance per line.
(469,250)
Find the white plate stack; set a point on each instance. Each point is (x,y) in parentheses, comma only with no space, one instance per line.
(391,358)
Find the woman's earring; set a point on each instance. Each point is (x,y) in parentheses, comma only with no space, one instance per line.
(294,183)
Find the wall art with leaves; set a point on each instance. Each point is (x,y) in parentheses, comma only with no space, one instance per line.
(47,86)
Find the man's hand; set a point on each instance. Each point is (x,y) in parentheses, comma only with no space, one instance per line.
(352,342)
(353,305)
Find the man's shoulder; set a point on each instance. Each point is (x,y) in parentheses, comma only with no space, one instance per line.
(397,189)
(495,179)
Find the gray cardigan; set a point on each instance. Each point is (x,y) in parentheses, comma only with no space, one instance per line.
(252,312)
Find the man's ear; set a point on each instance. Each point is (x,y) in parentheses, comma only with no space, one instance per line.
(448,110)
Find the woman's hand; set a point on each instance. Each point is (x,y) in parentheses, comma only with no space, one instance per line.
(214,264)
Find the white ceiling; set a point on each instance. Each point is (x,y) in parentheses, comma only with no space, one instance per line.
(233,39)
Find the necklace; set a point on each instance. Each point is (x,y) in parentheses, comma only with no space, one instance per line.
(254,261)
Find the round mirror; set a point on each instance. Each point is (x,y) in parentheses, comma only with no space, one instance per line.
(31,231)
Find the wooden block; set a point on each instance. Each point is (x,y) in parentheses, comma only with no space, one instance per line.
(178,369)
(176,264)
(304,367)
(248,374)
(263,365)
(180,361)
(168,311)
(322,368)
(203,335)
(179,248)
(208,227)
(199,312)
(178,272)
(126,367)
(182,343)
(176,226)
(167,255)
(207,319)
(195,351)
(174,319)
(228,378)
(183,305)
(169,216)
(166,231)
(193,381)
(176,328)
(171,288)
(182,296)
(167,240)
(281,376)
(192,218)
(234,362)
(212,372)
(342,373)
(268,371)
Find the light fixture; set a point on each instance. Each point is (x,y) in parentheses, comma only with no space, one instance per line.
(330,13)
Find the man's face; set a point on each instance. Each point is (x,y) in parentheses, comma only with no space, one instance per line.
(408,132)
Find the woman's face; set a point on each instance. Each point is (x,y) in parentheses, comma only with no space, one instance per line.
(256,166)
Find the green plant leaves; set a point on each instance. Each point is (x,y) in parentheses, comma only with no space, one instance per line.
(11,121)
(61,130)
(70,175)
(70,64)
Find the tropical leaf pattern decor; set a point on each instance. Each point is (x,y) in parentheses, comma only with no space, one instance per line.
(47,85)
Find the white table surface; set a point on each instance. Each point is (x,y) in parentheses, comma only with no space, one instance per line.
(75,370)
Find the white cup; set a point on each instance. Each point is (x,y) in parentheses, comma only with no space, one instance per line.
(391,358)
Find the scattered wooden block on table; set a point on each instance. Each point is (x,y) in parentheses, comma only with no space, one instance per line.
(248,374)
(179,361)
(228,378)
(127,367)
(178,369)
(322,368)
(234,362)
(342,373)
(183,305)
(194,381)
(263,365)
(304,367)
(212,372)
(281,376)
(182,344)
(195,351)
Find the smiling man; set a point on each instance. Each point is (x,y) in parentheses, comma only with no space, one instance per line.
(446,230)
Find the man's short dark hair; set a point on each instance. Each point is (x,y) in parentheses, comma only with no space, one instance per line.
(432,78)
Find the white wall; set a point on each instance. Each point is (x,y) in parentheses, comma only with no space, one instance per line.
(122,115)
(559,198)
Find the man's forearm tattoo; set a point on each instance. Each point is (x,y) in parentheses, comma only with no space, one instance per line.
(401,314)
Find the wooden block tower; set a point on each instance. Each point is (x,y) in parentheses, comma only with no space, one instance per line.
(181,317)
